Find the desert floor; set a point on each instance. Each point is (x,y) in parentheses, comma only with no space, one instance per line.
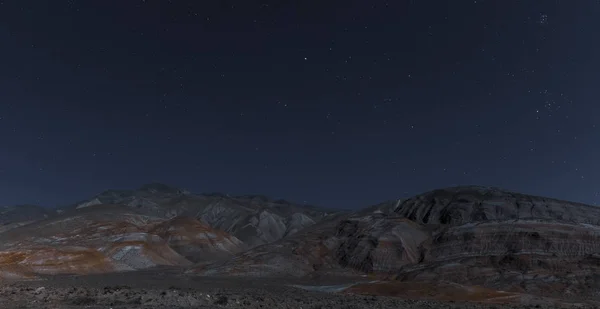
(166,288)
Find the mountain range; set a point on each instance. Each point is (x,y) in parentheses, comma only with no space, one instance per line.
(513,246)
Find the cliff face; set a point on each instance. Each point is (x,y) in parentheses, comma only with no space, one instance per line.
(507,240)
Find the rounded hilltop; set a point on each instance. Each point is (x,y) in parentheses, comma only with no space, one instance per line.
(464,204)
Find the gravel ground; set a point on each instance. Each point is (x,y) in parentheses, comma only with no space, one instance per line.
(162,289)
(125,297)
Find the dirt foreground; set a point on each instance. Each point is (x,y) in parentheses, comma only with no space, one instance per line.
(164,289)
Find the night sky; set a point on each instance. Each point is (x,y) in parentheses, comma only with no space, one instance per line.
(334,103)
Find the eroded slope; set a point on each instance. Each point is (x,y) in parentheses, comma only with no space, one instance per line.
(104,238)
(253,219)
(473,236)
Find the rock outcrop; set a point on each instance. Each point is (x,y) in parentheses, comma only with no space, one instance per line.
(506,240)
(466,235)
(463,205)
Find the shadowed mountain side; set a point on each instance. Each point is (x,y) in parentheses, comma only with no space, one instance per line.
(339,245)
(466,235)
(469,204)
(19,215)
(508,241)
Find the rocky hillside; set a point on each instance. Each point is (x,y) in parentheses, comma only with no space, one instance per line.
(253,219)
(464,235)
(107,238)
(195,240)
(507,241)
(154,225)
(345,245)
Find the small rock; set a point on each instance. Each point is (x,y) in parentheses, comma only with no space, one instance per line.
(222,300)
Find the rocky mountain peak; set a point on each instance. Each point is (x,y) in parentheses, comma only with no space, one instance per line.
(162,188)
(469,204)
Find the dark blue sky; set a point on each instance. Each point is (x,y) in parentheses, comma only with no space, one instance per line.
(336,103)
